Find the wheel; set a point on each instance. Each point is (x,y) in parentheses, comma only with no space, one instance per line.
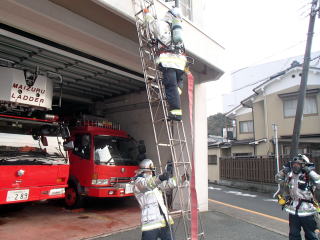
(72,198)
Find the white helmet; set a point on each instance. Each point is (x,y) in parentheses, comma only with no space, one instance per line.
(146,165)
(301,159)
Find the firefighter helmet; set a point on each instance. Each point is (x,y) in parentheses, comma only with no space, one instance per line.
(301,159)
(146,165)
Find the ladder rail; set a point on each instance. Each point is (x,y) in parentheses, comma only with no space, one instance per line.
(158,108)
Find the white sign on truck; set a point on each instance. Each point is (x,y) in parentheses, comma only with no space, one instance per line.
(14,89)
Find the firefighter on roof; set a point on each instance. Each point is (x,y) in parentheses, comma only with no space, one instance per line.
(171,58)
(301,180)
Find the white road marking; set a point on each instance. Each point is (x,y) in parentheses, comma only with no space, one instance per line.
(270,200)
(213,188)
(241,194)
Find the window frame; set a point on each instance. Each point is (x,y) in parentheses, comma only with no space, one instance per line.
(245,121)
(212,161)
(82,156)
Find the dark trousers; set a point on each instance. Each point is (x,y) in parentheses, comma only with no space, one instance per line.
(162,233)
(172,79)
(307,223)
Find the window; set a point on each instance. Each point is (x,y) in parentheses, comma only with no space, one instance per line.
(82,146)
(186,8)
(115,151)
(246,126)
(290,106)
(212,160)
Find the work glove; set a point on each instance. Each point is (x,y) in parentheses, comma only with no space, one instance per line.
(164,176)
(185,177)
(306,169)
(286,170)
(169,168)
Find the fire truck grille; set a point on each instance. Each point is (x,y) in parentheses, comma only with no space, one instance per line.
(120,180)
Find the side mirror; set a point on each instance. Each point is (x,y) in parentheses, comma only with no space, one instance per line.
(142,147)
(68,145)
(65,133)
(44,141)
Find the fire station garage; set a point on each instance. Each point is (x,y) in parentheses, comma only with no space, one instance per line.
(90,48)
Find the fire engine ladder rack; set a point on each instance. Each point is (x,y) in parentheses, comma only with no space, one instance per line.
(170,136)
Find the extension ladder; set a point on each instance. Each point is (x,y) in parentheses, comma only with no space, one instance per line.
(170,136)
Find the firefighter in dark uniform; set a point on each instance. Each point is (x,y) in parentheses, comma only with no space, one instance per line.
(301,181)
(171,57)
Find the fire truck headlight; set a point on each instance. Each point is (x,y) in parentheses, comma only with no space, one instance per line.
(100,181)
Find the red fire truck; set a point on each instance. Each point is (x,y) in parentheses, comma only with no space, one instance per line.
(102,163)
(33,163)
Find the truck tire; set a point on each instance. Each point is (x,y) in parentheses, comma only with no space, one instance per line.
(72,198)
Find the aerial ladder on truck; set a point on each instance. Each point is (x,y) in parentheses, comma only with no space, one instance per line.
(170,136)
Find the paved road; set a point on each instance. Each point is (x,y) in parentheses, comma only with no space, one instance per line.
(260,202)
(234,215)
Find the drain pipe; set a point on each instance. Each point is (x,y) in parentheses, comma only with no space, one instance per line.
(275,130)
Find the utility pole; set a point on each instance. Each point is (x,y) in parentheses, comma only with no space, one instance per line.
(303,83)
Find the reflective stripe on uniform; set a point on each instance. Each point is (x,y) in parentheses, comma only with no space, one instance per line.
(151,226)
(172,60)
(177,112)
(300,213)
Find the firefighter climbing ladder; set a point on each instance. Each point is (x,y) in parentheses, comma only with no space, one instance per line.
(170,136)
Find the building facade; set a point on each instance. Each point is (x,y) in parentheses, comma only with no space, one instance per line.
(274,103)
(93,45)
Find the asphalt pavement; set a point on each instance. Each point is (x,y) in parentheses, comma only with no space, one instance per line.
(233,215)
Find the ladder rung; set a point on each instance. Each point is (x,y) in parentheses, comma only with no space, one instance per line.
(150,76)
(179,212)
(177,140)
(182,162)
(164,145)
(150,68)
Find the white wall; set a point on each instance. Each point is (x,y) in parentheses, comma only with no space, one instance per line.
(138,124)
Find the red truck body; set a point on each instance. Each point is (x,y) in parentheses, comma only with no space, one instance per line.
(106,169)
(29,170)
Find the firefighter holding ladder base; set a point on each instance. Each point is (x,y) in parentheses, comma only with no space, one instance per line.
(301,182)
(148,190)
(171,59)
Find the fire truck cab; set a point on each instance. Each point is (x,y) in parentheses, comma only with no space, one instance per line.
(102,163)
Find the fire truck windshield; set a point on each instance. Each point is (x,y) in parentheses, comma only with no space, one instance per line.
(110,150)
(25,148)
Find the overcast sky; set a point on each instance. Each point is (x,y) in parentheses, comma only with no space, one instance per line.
(254,32)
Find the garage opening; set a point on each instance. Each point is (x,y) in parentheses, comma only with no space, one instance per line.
(86,79)
(89,86)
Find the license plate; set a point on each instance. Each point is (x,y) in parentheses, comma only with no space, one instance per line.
(17,195)
(128,189)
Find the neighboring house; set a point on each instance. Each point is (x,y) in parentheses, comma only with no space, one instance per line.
(245,79)
(274,102)
(216,150)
